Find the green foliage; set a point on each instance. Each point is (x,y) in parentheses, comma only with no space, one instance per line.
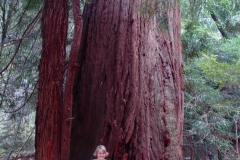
(19,54)
(158,9)
(32,5)
(201,39)
(211,74)
(219,74)
(205,112)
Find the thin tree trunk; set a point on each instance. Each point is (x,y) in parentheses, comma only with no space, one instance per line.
(68,95)
(236,134)
(218,25)
(17,158)
(15,135)
(51,71)
(128,90)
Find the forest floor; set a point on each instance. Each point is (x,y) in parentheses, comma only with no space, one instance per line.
(27,157)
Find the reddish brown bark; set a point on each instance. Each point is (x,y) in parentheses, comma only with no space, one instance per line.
(68,95)
(51,71)
(128,91)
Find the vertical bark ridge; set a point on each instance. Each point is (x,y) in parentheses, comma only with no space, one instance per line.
(51,71)
(69,84)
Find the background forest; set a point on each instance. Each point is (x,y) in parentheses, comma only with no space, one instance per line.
(211,54)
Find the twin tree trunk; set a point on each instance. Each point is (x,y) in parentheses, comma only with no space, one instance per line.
(128,86)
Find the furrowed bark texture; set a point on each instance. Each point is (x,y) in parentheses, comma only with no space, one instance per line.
(51,70)
(68,95)
(128,91)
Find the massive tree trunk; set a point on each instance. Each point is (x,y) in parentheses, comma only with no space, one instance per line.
(51,71)
(128,88)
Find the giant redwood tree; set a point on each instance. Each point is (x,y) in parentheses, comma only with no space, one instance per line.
(128,84)
(128,87)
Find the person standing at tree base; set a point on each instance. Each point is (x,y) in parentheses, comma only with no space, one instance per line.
(100,152)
